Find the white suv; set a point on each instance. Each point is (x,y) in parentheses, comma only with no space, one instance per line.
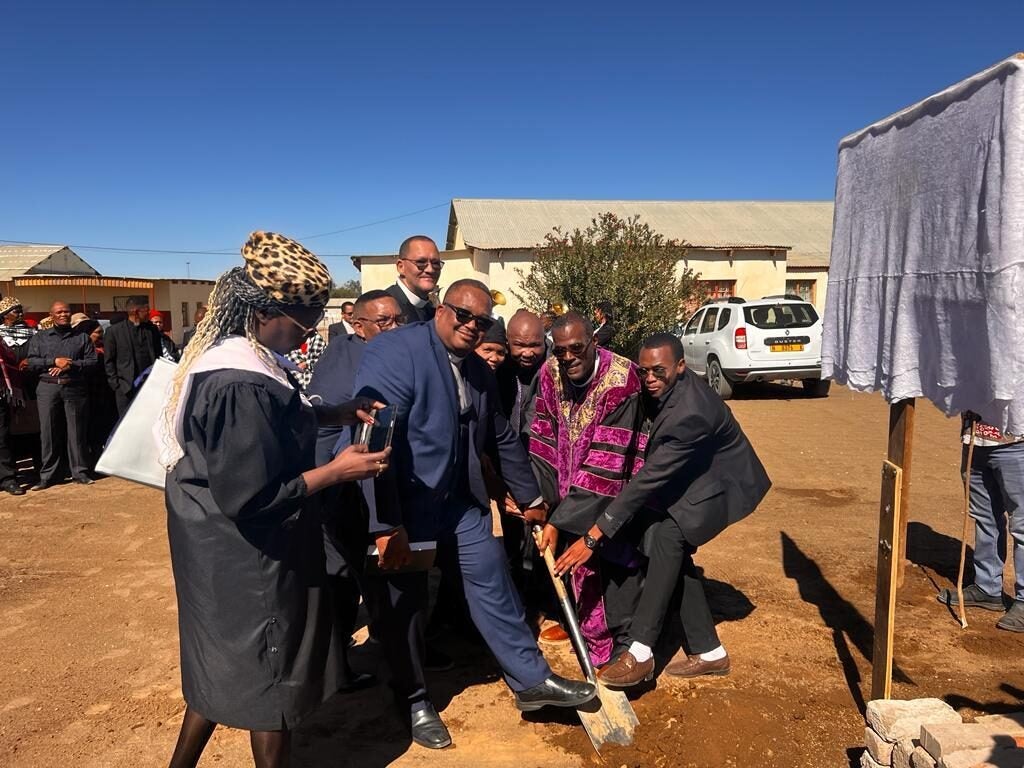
(731,341)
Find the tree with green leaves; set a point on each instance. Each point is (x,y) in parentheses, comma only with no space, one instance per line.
(350,289)
(623,261)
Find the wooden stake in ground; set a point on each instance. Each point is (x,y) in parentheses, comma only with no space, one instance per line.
(963,536)
(609,717)
(889,535)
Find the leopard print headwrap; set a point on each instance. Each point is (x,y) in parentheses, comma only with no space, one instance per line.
(284,272)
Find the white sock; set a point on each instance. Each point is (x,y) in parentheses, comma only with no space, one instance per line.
(714,654)
(640,651)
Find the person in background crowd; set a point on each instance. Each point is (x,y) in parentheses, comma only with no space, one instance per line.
(130,348)
(11,397)
(61,358)
(494,348)
(306,356)
(419,268)
(345,518)
(584,445)
(344,327)
(997,501)
(548,318)
(102,406)
(448,415)
(700,474)
(605,330)
(186,337)
(168,349)
(14,331)
(258,646)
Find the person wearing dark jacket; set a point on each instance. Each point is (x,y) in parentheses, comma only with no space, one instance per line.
(700,475)
(102,406)
(62,359)
(604,331)
(419,268)
(130,348)
(12,396)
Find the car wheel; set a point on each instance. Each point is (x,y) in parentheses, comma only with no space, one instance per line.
(717,380)
(817,387)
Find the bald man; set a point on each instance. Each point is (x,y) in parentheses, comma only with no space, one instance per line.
(517,376)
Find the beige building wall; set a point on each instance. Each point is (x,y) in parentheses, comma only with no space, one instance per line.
(180,299)
(819,276)
(755,273)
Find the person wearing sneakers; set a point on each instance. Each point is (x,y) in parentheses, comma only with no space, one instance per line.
(997,497)
(700,475)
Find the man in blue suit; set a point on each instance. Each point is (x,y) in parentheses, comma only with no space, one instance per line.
(448,414)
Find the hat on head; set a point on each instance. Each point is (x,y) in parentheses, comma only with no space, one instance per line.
(78,317)
(496,334)
(285,271)
(155,313)
(7,304)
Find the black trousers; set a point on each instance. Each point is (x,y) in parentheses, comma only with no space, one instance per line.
(124,399)
(671,576)
(63,427)
(622,588)
(7,470)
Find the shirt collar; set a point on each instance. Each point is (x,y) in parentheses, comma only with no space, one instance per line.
(415,300)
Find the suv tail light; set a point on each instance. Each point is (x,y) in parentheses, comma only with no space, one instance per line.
(740,339)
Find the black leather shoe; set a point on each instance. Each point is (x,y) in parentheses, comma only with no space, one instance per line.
(556,691)
(428,730)
(11,486)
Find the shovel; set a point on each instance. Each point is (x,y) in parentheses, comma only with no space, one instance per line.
(609,717)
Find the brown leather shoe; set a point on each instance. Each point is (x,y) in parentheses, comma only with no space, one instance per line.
(554,634)
(693,666)
(626,671)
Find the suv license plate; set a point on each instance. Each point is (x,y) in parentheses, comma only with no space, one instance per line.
(787,347)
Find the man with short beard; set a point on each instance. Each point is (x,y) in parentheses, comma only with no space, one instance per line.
(129,349)
(445,398)
(419,268)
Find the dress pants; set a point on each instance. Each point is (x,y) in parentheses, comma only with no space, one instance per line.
(7,471)
(63,427)
(494,606)
(123,399)
(997,496)
(672,575)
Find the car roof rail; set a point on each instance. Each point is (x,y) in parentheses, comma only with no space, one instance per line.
(787,296)
(725,300)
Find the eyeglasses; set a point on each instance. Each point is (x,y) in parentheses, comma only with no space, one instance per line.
(572,350)
(464,317)
(383,322)
(306,332)
(422,264)
(659,372)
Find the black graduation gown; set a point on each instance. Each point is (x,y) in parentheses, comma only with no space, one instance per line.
(258,646)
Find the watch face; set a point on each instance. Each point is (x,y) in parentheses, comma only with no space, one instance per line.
(590,541)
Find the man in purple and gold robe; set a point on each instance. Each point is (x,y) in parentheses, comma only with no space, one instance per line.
(585,444)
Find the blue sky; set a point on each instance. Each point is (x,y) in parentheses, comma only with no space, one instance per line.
(185,125)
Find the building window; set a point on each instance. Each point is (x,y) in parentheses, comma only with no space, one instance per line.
(802,288)
(184,314)
(718,289)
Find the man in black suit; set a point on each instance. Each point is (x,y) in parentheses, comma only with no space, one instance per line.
(604,315)
(700,475)
(129,348)
(419,268)
(343,327)
(186,337)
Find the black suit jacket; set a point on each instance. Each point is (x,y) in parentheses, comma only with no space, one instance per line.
(507,379)
(122,361)
(698,466)
(604,334)
(336,330)
(411,313)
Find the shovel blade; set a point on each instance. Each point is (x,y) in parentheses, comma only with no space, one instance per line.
(608,718)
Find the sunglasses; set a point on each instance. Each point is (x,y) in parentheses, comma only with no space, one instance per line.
(422,264)
(659,372)
(464,317)
(306,332)
(573,350)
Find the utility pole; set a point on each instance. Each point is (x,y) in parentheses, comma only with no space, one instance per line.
(188,269)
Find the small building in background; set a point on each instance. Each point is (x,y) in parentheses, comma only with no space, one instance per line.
(39,275)
(748,249)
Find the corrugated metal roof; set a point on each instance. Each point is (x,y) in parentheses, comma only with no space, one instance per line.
(17,260)
(803,228)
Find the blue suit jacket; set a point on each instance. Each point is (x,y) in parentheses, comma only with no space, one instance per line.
(409,369)
(334,381)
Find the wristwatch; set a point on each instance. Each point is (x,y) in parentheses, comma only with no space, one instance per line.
(589,541)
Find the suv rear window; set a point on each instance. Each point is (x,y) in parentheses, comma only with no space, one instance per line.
(781,316)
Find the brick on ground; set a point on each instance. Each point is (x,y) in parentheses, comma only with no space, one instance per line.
(902,751)
(894,720)
(867,761)
(944,738)
(878,748)
(984,758)
(920,758)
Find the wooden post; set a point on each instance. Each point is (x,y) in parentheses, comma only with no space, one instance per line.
(901,441)
(889,534)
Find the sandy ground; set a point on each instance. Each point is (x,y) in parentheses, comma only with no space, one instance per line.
(90,676)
